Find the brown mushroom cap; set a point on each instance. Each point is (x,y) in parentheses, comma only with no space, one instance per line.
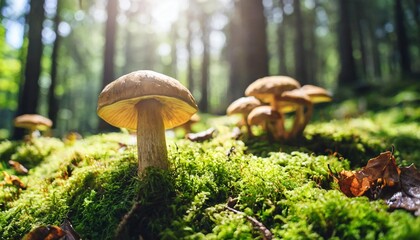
(33,121)
(317,94)
(261,114)
(243,105)
(116,103)
(265,88)
(296,96)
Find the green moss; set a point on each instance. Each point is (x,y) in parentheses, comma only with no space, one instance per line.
(286,187)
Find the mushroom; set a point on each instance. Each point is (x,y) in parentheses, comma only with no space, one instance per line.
(301,100)
(149,102)
(267,118)
(33,122)
(195,118)
(243,106)
(316,95)
(269,90)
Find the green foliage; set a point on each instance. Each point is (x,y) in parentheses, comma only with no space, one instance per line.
(35,151)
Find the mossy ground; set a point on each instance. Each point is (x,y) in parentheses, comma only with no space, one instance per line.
(286,187)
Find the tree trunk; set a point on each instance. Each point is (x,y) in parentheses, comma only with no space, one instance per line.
(28,99)
(402,39)
(255,39)
(236,56)
(300,65)
(110,36)
(52,98)
(347,75)
(174,54)
(190,71)
(376,58)
(281,29)
(205,65)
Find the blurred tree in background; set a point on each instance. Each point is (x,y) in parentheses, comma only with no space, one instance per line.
(55,62)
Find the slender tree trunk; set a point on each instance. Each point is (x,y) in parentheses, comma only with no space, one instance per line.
(109,52)
(300,65)
(347,75)
(190,71)
(362,40)
(236,57)
(376,58)
(281,30)
(255,48)
(28,99)
(205,65)
(174,53)
(312,60)
(52,98)
(402,39)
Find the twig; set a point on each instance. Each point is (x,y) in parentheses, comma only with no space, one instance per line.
(267,235)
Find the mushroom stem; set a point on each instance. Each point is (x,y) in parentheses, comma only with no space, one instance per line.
(248,127)
(151,142)
(297,122)
(307,117)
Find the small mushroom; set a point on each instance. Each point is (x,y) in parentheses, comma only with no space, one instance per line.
(33,122)
(195,118)
(268,119)
(243,106)
(149,102)
(302,100)
(316,95)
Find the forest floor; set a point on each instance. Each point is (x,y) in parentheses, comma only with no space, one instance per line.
(221,188)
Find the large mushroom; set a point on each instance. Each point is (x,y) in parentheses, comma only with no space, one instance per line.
(149,102)
(243,106)
(33,123)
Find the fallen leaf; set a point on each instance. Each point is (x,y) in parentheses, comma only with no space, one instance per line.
(48,232)
(383,168)
(71,234)
(19,168)
(410,181)
(379,172)
(403,201)
(382,178)
(201,136)
(408,196)
(14,180)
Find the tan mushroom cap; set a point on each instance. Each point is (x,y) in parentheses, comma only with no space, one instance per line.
(117,101)
(265,88)
(296,96)
(261,114)
(243,105)
(317,94)
(33,121)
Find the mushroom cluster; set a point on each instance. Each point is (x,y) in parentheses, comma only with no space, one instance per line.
(277,96)
(148,102)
